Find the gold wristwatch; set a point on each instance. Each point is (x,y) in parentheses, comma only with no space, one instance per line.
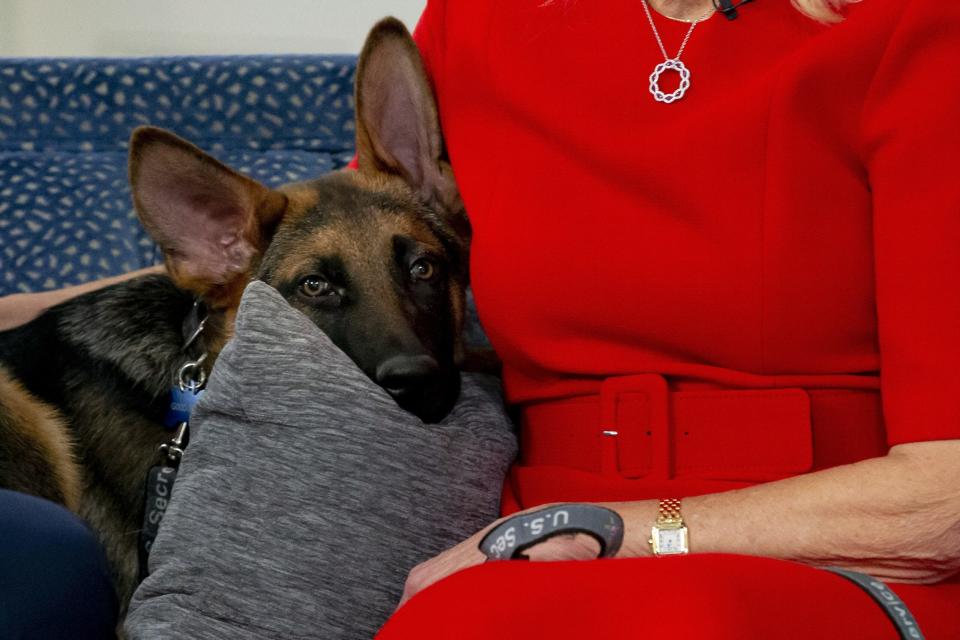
(668,537)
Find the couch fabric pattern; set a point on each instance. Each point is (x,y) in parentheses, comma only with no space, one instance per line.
(65,211)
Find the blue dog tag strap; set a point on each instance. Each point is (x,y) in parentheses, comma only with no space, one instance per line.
(181,406)
(891,603)
(513,536)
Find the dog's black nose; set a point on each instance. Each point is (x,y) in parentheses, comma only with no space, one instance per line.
(403,373)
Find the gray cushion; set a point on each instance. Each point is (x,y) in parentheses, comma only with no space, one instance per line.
(306,494)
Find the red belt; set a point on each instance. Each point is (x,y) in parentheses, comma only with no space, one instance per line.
(637,428)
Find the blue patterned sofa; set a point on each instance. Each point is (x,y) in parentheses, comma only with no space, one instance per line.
(65,211)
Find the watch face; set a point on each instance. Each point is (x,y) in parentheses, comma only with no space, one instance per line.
(670,541)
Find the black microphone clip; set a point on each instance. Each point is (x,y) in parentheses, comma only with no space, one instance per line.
(729,8)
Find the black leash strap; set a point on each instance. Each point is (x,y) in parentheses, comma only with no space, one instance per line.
(513,536)
(160,481)
(890,602)
(184,395)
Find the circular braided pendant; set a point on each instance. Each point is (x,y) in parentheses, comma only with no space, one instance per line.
(671,65)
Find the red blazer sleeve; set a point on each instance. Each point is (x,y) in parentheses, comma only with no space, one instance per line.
(911,129)
(429,36)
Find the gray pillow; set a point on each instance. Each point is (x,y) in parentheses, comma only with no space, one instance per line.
(306,494)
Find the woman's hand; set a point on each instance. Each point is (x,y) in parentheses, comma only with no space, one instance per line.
(896,518)
(467,554)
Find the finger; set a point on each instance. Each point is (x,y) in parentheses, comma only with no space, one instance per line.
(432,571)
(577,546)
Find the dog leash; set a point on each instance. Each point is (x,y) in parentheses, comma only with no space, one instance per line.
(512,537)
(186,391)
(516,534)
(883,595)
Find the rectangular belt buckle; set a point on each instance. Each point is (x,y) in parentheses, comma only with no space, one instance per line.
(634,423)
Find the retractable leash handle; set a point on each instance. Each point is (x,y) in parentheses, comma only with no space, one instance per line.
(513,536)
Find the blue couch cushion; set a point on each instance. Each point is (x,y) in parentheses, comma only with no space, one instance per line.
(65,210)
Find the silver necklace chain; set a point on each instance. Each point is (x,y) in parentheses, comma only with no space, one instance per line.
(671,63)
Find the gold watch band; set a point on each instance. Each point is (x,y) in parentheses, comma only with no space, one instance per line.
(669,512)
(668,536)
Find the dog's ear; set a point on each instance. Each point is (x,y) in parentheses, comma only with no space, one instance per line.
(211,222)
(398,128)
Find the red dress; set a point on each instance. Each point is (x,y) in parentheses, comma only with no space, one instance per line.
(756,281)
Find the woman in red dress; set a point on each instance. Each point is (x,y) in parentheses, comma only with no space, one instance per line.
(746,297)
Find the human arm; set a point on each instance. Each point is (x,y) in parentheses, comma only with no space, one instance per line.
(20,308)
(896,517)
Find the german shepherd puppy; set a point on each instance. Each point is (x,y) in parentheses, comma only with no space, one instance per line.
(375,257)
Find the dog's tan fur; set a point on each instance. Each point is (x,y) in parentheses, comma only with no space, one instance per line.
(122,345)
(44,441)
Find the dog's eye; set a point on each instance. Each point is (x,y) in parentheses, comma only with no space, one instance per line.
(315,286)
(423,269)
